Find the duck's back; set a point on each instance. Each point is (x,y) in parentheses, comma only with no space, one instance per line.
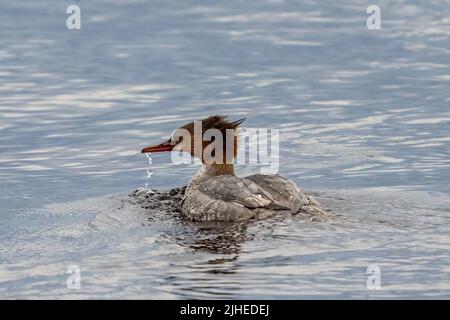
(230,198)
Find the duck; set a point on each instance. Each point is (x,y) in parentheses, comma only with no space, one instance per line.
(215,192)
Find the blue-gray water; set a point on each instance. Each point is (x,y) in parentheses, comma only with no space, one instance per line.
(364,119)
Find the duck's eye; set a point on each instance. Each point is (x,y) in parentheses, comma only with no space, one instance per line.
(176,140)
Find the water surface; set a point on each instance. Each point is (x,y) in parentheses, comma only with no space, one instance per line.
(363,116)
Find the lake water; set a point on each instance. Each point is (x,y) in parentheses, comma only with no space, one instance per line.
(364,123)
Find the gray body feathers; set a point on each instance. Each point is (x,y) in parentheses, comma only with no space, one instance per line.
(230,198)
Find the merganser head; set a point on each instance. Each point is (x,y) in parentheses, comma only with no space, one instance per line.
(213,140)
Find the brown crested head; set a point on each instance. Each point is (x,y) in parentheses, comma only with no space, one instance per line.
(214,128)
(210,139)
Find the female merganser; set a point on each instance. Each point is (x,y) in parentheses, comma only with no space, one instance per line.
(215,193)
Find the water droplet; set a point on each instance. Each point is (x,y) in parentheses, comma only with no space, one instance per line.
(149,170)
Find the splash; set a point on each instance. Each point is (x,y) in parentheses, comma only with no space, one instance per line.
(149,170)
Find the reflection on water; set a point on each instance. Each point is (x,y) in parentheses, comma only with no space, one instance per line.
(363,118)
(221,238)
